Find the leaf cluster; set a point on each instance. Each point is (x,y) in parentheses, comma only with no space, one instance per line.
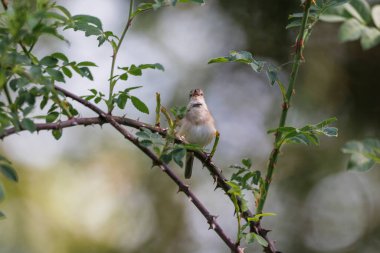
(305,135)
(360,22)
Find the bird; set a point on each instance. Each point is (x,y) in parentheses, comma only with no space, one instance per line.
(197,126)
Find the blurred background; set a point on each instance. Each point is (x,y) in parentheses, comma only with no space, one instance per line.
(92,191)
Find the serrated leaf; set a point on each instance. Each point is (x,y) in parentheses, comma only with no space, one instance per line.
(139,105)
(8,171)
(28,124)
(57,133)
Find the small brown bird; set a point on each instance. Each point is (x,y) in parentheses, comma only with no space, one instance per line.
(197,127)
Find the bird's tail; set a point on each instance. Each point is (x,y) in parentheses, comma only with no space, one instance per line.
(189,164)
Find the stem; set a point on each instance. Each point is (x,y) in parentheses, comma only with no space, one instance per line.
(285,107)
(158,107)
(7,94)
(216,141)
(114,56)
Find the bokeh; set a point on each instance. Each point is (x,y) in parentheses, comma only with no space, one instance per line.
(92,191)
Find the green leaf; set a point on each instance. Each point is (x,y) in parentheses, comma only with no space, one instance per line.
(67,72)
(8,171)
(247,162)
(139,105)
(152,66)
(350,30)
(60,56)
(272,75)
(178,154)
(122,100)
(362,154)
(63,10)
(142,7)
(124,76)
(260,240)
(28,124)
(3,158)
(56,74)
(51,117)
(49,61)
(166,158)
(136,71)
(370,38)
(89,20)
(294,23)
(362,9)
(218,60)
(84,72)
(57,133)
(257,217)
(87,64)
(376,15)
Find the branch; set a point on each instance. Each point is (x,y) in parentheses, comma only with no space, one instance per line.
(211,219)
(85,122)
(216,173)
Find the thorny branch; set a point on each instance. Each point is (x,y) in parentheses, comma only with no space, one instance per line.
(216,173)
(211,219)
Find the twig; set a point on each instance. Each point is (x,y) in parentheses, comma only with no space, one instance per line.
(114,55)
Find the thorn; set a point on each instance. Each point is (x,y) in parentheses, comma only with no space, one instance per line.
(212,226)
